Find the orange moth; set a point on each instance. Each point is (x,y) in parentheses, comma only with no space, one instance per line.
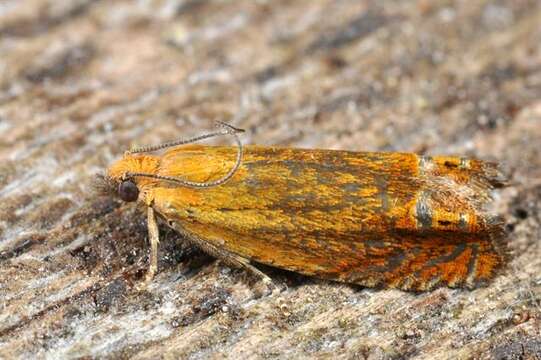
(395,220)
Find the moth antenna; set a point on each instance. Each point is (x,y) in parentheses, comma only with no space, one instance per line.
(227,130)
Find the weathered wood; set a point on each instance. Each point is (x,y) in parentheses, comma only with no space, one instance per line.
(82,81)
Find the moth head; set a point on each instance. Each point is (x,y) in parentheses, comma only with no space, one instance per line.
(118,182)
(128,190)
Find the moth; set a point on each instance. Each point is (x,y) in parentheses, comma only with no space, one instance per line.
(377,219)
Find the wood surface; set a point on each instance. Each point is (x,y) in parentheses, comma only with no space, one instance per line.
(83,81)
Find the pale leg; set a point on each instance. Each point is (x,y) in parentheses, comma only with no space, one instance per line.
(154,238)
(227,257)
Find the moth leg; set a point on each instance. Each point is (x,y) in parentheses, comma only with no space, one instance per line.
(242,263)
(225,256)
(154,238)
(236,261)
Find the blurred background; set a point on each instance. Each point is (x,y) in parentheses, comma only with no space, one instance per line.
(81,81)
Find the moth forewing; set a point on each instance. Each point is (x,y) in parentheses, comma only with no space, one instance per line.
(375,219)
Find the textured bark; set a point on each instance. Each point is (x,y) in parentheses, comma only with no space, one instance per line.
(83,81)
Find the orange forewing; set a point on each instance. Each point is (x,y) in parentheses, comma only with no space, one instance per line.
(376,219)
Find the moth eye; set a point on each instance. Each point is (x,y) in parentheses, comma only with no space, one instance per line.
(128,191)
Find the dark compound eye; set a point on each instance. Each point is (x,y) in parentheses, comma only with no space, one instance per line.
(128,191)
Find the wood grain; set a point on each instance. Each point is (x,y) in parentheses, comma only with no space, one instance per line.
(83,81)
